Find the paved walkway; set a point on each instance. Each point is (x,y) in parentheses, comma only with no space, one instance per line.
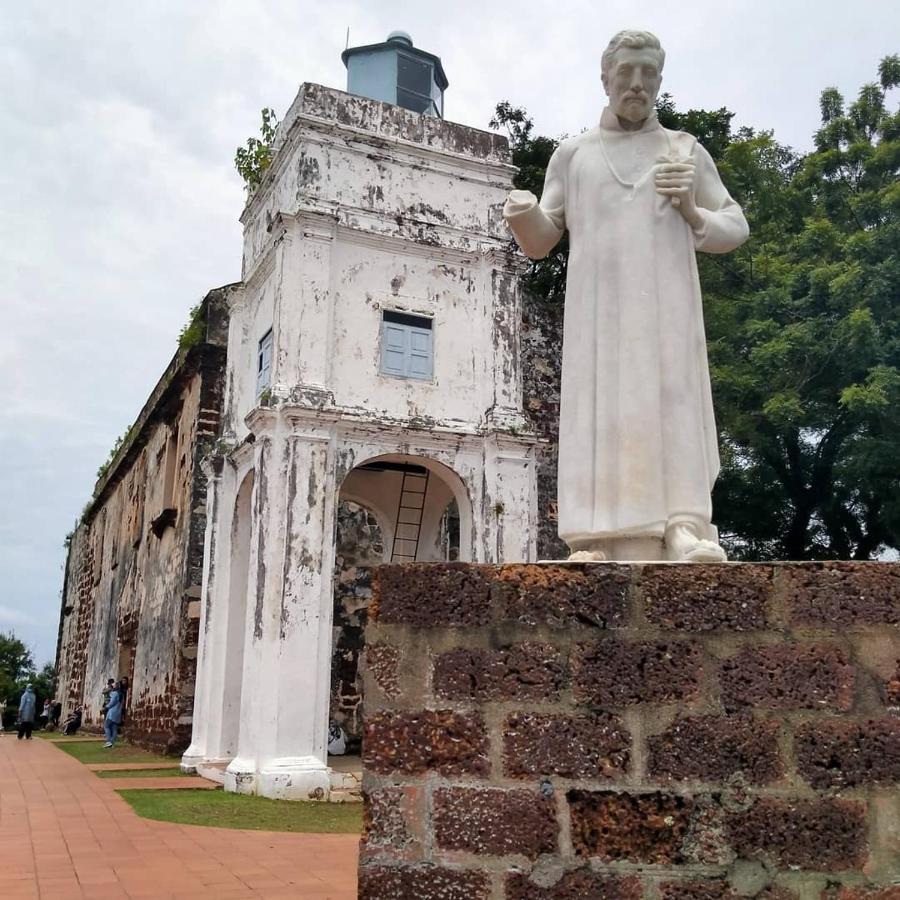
(66,834)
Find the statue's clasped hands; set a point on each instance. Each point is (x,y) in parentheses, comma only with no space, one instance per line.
(674,178)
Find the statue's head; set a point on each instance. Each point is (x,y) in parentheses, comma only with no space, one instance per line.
(631,70)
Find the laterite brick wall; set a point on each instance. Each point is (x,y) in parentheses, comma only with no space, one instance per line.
(660,732)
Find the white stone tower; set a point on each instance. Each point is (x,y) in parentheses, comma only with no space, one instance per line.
(373,356)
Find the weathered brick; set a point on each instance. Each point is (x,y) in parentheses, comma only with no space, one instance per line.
(840,754)
(383,661)
(564,596)
(422,883)
(697,890)
(644,828)
(526,671)
(386,815)
(495,821)
(621,673)
(430,595)
(713,748)
(582,884)
(706,598)
(412,743)
(788,676)
(595,746)
(862,893)
(835,595)
(820,835)
(716,889)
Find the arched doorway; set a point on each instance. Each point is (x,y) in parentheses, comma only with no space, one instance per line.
(235,633)
(392,508)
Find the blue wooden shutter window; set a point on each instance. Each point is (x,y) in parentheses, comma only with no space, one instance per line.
(264,363)
(406,345)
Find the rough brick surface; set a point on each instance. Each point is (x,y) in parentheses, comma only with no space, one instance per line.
(430,596)
(413,743)
(582,884)
(862,893)
(716,597)
(566,595)
(788,676)
(819,835)
(621,673)
(595,746)
(716,890)
(642,828)
(527,671)
(386,815)
(714,748)
(383,661)
(696,890)
(838,595)
(635,732)
(839,754)
(495,822)
(422,883)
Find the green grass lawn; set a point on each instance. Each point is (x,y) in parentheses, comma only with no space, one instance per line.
(59,736)
(139,773)
(95,752)
(222,810)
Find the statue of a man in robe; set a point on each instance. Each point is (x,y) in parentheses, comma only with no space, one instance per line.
(638,453)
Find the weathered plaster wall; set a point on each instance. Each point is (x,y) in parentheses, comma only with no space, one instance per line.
(131,604)
(629,732)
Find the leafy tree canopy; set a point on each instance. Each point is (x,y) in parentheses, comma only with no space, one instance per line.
(17,669)
(803,324)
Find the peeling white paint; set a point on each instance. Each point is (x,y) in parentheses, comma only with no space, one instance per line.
(366,207)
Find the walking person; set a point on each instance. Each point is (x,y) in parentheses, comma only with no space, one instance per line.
(113,716)
(27,710)
(45,715)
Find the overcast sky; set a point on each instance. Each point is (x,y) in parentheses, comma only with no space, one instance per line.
(120,204)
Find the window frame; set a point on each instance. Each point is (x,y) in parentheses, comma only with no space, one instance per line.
(260,367)
(411,326)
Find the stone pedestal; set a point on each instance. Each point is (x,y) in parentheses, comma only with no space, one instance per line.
(540,732)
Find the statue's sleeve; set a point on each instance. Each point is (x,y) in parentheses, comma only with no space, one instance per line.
(724,226)
(537,227)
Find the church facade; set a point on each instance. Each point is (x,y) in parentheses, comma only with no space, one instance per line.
(381,397)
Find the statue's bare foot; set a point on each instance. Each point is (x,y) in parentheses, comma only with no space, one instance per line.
(683,545)
(587,556)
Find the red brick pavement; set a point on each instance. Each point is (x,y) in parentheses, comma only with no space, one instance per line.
(66,834)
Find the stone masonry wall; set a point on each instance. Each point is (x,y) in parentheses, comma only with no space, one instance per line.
(658,732)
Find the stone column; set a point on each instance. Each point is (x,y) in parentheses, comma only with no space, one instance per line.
(502,271)
(297,765)
(199,749)
(287,662)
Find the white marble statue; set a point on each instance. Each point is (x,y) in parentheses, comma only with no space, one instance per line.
(638,454)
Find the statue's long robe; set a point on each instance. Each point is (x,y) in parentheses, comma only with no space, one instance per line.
(637,442)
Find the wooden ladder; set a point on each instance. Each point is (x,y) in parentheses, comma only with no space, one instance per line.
(409,517)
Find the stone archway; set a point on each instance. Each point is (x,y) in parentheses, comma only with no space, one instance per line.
(389,508)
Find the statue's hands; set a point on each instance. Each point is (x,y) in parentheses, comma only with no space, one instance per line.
(519,202)
(676,180)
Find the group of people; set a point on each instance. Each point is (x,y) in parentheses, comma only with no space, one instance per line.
(112,711)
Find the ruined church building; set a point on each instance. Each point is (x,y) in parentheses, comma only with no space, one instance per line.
(367,407)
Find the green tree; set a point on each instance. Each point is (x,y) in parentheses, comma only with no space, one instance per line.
(803,325)
(252,161)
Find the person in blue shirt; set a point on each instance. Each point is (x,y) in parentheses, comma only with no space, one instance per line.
(113,716)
